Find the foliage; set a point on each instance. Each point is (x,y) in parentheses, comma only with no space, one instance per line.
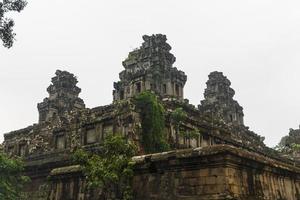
(152,115)
(287,145)
(110,170)
(11,178)
(177,117)
(6,24)
(295,147)
(279,148)
(192,134)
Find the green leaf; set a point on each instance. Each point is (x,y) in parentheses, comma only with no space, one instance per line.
(110,169)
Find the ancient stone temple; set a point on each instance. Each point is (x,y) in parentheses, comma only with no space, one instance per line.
(225,161)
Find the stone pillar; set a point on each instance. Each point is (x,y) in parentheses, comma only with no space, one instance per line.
(127,92)
(182,94)
(132,92)
(147,85)
(143,86)
(169,88)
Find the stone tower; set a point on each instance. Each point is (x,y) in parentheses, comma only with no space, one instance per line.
(218,100)
(63,96)
(150,68)
(292,138)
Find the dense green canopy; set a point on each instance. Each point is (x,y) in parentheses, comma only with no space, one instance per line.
(11,178)
(6,24)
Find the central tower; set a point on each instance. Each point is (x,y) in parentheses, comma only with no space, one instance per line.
(150,67)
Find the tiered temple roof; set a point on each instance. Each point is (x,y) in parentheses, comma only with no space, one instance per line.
(63,96)
(150,67)
(219,102)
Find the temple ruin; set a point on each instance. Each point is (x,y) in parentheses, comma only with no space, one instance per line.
(226,161)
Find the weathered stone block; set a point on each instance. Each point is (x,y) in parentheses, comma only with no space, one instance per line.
(204,172)
(210,180)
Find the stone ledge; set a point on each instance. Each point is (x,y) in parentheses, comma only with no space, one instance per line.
(66,170)
(213,150)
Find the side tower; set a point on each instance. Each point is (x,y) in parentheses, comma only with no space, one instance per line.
(218,100)
(150,68)
(289,144)
(63,96)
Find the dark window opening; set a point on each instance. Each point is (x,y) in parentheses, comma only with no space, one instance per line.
(138,87)
(164,88)
(231,118)
(122,95)
(64,85)
(54,115)
(177,90)
(218,141)
(205,137)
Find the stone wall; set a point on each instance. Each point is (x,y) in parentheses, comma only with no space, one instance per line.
(216,172)
(209,173)
(87,127)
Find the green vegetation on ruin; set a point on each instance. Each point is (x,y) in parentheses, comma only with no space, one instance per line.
(178,116)
(11,178)
(111,170)
(152,114)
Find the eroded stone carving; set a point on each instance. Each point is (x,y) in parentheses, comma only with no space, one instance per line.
(219,102)
(63,96)
(150,68)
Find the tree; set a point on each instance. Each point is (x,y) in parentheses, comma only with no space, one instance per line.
(6,24)
(190,135)
(111,170)
(152,114)
(295,147)
(11,178)
(177,118)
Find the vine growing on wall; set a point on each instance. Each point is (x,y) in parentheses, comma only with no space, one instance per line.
(153,136)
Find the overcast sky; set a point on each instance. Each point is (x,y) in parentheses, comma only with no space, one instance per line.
(255,43)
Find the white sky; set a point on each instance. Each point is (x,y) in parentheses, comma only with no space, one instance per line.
(255,43)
